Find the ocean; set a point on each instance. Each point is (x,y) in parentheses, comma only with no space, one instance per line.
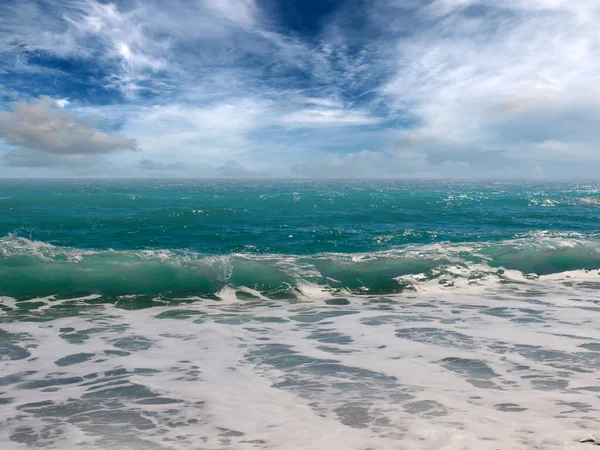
(245,314)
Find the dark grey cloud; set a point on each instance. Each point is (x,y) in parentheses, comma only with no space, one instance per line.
(42,134)
(148,164)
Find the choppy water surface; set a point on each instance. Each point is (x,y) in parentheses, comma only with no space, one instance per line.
(343,315)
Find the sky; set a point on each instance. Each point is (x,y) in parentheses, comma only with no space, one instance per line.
(300,88)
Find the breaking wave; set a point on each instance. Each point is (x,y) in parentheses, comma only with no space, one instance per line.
(32,269)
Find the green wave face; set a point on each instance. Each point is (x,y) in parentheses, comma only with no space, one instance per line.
(32,269)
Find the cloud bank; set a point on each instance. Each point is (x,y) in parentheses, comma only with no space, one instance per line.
(148,164)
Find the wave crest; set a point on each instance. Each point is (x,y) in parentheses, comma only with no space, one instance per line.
(36,269)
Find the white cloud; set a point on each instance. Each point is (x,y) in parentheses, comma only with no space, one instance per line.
(210,134)
(327,117)
(577,6)
(316,101)
(242,12)
(138,40)
(253,131)
(495,79)
(62,102)
(43,134)
(27,26)
(124,40)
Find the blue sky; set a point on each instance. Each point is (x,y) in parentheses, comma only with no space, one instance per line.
(300,88)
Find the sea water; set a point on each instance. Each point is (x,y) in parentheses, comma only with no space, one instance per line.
(213,314)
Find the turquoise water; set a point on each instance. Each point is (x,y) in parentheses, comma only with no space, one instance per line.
(181,238)
(343,315)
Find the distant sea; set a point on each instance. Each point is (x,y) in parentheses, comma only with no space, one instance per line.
(222,314)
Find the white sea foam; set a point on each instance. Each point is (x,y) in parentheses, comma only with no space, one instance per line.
(513,367)
(590,201)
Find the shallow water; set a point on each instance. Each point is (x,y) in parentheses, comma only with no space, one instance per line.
(507,368)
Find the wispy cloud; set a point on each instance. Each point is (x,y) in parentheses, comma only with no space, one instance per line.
(509,74)
(382,88)
(327,117)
